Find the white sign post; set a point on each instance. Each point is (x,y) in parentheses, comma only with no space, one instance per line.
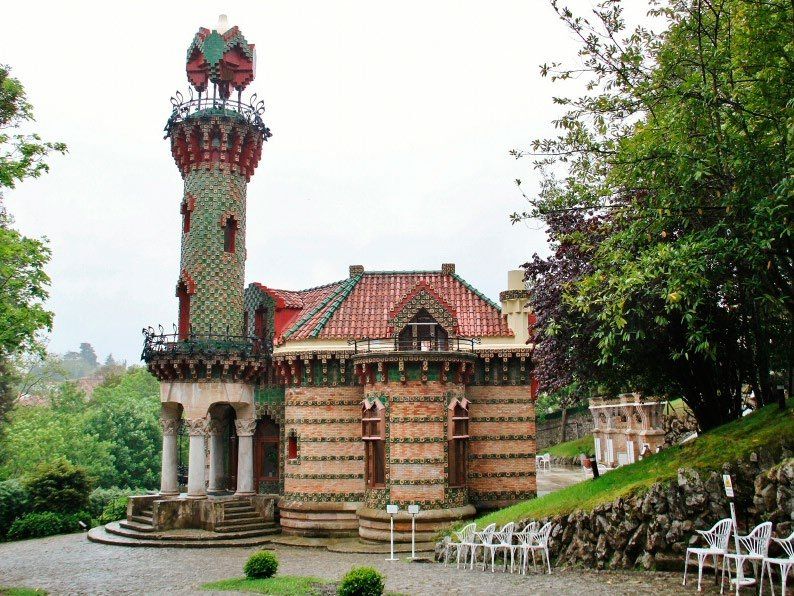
(727,482)
(392,511)
(413,510)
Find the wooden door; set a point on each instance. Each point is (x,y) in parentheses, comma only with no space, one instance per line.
(267,454)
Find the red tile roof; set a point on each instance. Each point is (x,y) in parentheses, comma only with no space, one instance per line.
(362,306)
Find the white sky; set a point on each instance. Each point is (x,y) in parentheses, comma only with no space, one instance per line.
(391,127)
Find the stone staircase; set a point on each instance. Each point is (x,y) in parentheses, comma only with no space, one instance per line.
(241,526)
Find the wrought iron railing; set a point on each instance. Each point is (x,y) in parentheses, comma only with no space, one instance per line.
(156,342)
(250,110)
(452,344)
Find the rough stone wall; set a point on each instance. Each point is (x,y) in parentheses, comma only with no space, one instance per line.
(579,424)
(502,445)
(330,462)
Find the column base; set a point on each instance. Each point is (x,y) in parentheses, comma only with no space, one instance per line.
(174,493)
(244,494)
(196,497)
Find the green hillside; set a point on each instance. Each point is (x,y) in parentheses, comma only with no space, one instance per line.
(734,441)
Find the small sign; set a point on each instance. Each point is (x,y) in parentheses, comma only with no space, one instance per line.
(413,509)
(392,509)
(728,484)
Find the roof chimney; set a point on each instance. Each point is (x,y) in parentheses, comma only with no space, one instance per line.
(448,269)
(356,270)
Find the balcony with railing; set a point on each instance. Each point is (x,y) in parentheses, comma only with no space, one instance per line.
(396,344)
(160,345)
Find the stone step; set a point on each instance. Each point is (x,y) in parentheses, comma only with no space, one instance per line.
(241,515)
(224,528)
(102,536)
(142,520)
(118,529)
(131,525)
(147,513)
(243,509)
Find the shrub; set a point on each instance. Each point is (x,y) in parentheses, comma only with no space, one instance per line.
(261,565)
(60,487)
(46,523)
(14,503)
(362,581)
(115,510)
(102,497)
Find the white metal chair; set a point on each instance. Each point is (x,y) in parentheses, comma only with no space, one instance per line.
(756,545)
(524,539)
(482,539)
(717,539)
(465,540)
(539,543)
(785,564)
(501,540)
(546,459)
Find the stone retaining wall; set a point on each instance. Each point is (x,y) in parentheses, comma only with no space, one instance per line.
(653,530)
(578,425)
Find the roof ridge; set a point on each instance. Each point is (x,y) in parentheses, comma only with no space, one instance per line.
(477,292)
(338,298)
(307,317)
(305,290)
(406,272)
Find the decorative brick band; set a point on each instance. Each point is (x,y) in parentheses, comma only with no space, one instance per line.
(323,420)
(405,419)
(418,439)
(325,476)
(425,460)
(503,438)
(420,399)
(501,455)
(500,474)
(478,497)
(333,458)
(503,419)
(419,482)
(509,400)
(331,439)
(324,497)
(323,402)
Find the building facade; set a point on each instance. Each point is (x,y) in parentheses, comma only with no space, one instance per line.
(626,428)
(400,387)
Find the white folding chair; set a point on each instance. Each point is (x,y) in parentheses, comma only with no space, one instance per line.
(756,545)
(785,564)
(717,539)
(482,539)
(539,543)
(465,540)
(524,539)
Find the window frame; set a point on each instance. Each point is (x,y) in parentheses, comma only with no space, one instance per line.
(373,434)
(458,443)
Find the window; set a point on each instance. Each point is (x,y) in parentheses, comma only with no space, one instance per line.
(229,233)
(423,333)
(292,445)
(184,310)
(458,431)
(245,323)
(260,323)
(373,432)
(185,210)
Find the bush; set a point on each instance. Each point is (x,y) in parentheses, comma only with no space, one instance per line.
(261,565)
(362,581)
(46,523)
(60,487)
(14,503)
(102,497)
(115,510)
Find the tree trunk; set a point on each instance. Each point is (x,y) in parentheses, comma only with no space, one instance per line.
(563,424)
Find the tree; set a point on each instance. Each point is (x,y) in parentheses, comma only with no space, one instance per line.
(88,354)
(681,147)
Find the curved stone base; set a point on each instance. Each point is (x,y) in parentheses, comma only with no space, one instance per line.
(373,524)
(322,520)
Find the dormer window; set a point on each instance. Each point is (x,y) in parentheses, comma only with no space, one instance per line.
(458,437)
(373,433)
(229,233)
(423,333)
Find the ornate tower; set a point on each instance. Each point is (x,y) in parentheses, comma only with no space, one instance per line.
(208,367)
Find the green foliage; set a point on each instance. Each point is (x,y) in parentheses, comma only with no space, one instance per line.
(102,497)
(47,523)
(115,510)
(59,487)
(362,581)
(768,429)
(115,436)
(14,503)
(281,585)
(4,591)
(261,565)
(573,448)
(21,156)
(681,148)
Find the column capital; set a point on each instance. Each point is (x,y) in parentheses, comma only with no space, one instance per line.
(170,426)
(197,427)
(245,428)
(215,428)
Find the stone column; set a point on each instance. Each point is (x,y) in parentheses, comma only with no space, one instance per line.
(245,456)
(217,471)
(196,481)
(169,483)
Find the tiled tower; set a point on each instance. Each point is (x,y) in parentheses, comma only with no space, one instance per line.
(209,367)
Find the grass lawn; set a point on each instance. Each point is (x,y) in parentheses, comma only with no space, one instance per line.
(573,448)
(730,442)
(279,585)
(21,592)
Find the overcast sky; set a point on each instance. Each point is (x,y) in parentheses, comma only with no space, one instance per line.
(391,127)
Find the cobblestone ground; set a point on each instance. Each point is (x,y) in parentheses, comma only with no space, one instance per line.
(72,565)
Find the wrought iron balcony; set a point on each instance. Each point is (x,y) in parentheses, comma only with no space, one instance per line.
(452,344)
(158,344)
(250,110)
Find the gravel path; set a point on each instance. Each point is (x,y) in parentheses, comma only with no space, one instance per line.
(72,565)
